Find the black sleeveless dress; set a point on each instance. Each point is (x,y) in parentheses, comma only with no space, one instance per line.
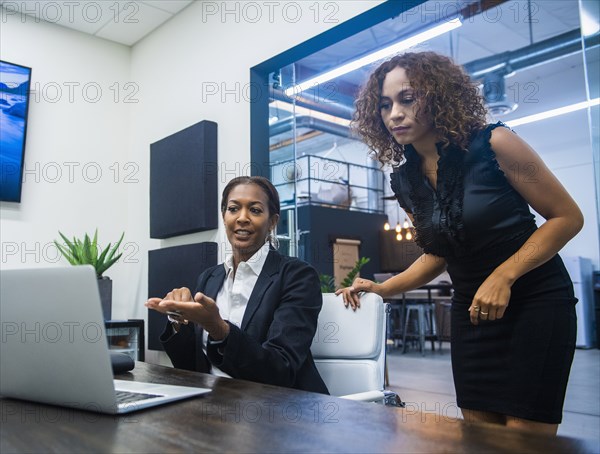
(518,365)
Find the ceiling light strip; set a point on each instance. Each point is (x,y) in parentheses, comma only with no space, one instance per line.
(375,56)
(553,113)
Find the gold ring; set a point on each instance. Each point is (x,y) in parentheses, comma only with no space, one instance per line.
(484,313)
(476,308)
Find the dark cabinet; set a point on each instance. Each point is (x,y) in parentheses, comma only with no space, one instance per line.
(126,336)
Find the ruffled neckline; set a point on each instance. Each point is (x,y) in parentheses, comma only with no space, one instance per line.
(447,238)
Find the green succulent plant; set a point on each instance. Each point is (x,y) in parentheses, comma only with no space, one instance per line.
(328,282)
(349,279)
(85,252)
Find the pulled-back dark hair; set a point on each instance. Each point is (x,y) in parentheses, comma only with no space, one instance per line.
(446,95)
(263,183)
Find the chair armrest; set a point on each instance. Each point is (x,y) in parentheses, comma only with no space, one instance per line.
(389,398)
(368,396)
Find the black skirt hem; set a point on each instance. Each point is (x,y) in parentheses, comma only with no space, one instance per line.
(500,407)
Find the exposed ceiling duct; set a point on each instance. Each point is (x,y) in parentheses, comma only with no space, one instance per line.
(541,52)
(315,129)
(495,68)
(494,94)
(304,121)
(318,104)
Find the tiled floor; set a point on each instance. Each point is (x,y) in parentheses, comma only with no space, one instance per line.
(425,384)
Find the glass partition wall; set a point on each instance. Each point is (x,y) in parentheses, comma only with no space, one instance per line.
(527,57)
(589,12)
(315,160)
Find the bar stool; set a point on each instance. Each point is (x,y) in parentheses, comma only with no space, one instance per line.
(425,320)
(395,322)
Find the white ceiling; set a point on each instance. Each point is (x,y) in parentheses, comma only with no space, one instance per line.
(121,21)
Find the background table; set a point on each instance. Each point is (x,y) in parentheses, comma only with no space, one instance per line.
(422,296)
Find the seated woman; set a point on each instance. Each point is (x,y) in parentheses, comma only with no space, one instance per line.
(253,317)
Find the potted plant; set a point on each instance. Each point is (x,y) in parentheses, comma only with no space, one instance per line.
(85,252)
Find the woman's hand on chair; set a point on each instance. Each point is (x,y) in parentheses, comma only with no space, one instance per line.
(351,296)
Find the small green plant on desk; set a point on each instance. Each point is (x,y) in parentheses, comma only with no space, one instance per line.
(86,252)
(328,282)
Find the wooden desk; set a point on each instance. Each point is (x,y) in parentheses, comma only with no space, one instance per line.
(250,417)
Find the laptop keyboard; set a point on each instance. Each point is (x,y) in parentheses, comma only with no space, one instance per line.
(125,397)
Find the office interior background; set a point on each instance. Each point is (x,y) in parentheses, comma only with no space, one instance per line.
(110,79)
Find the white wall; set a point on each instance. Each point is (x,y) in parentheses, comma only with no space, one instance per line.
(74,131)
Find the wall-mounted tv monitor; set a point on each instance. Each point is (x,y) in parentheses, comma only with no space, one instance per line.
(15,81)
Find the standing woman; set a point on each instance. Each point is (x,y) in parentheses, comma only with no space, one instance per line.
(253,317)
(467,188)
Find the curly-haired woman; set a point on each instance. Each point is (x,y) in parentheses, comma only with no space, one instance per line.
(467,187)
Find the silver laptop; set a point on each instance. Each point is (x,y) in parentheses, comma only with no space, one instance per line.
(53,346)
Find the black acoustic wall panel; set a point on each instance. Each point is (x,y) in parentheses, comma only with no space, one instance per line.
(183,182)
(170,268)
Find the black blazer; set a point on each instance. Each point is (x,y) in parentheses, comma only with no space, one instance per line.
(273,344)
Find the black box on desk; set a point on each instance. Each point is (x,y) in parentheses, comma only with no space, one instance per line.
(126,336)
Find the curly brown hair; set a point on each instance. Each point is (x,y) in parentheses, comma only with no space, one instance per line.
(446,94)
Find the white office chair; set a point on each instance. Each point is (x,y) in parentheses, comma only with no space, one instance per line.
(349,349)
